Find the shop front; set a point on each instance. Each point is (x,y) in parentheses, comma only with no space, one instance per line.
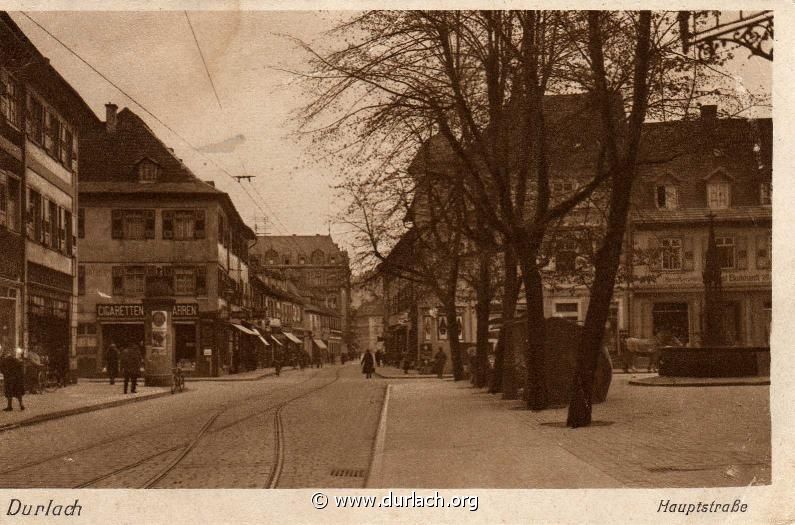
(49,333)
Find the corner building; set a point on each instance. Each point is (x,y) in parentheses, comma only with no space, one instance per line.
(143,213)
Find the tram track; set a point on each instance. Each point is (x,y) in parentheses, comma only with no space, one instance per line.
(67,455)
(186,448)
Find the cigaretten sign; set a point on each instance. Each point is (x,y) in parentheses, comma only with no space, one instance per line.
(136,311)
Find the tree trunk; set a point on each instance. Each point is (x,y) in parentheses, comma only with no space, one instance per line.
(537,398)
(453,339)
(484,295)
(504,363)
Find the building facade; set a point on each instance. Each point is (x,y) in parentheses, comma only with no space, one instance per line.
(41,119)
(319,268)
(143,214)
(719,170)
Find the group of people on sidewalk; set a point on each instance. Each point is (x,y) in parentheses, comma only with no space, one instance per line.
(130,360)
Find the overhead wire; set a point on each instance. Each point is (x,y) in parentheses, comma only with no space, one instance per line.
(152,114)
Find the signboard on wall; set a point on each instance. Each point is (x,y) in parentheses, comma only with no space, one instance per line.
(136,311)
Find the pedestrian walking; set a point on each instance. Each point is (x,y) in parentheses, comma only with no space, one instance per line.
(368,364)
(13,377)
(130,367)
(441,360)
(112,362)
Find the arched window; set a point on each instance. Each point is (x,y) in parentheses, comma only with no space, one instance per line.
(318,257)
(301,258)
(271,257)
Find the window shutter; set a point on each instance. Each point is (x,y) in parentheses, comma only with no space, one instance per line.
(118,280)
(742,253)
(117,224)
(654,254)
(75,143)
(69,233)
(149,224)
(168,224)
(201,280)
(199,225)
(763,255)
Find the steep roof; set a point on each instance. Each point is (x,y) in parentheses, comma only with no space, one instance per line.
(108,163)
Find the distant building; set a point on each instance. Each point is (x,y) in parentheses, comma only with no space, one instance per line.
(143,213)
(319,268)
(41,119)
(368,325)
(279,309)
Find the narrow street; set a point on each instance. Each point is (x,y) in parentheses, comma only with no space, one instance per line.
(295,430)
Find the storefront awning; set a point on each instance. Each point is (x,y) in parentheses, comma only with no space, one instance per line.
(320,344)
(244,329)
(292,338)
(264,341)
(277,341)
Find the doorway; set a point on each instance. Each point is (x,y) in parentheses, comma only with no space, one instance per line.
(185,343)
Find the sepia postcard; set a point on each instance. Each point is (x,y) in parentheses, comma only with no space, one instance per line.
(334,262)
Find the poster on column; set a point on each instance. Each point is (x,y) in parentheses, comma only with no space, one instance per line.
(159,337)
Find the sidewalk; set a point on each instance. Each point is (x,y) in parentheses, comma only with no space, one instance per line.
(391,372)
(449,435)
(252,375)
(74,399)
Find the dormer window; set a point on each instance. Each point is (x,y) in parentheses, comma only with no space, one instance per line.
(765,194)
(718,190)
(666,197)
(148,171)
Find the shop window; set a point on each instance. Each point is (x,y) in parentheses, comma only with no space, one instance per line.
(667,197)
(81,280)
(133,224)
(718,195)
(568,310)
(671,254)
(726,252)
(766,194)
(10,94)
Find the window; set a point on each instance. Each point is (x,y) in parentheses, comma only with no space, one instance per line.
(765,194)
(133,224)
(718,195)
(35,122)
(271,257)
(568,310)
(81,223)
(318,257)
(671,254)
(184,281)
(81,279)
(183,224)
(725,252)
(67,140)
(566,256)
(302,259)
(562,187)
(9,201)
(148,171)
(667,197)
(10,93)
(71,242)
(52,139)
(134,280)
(764,251)
(222,231)
(34,215)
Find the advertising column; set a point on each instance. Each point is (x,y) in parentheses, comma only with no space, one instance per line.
(159,338)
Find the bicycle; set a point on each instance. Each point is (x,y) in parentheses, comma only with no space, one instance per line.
(177,380)
(48,380)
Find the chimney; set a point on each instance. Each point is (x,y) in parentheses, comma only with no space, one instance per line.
(110,117)
(709,112)
(210,182)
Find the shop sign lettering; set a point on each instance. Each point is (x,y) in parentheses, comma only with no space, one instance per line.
(136,311)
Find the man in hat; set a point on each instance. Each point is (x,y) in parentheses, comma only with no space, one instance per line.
(130,366)
(112,362)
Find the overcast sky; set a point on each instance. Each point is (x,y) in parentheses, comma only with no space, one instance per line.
(153,57)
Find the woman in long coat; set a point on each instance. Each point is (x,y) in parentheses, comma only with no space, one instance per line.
(368,364)
(13,378)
